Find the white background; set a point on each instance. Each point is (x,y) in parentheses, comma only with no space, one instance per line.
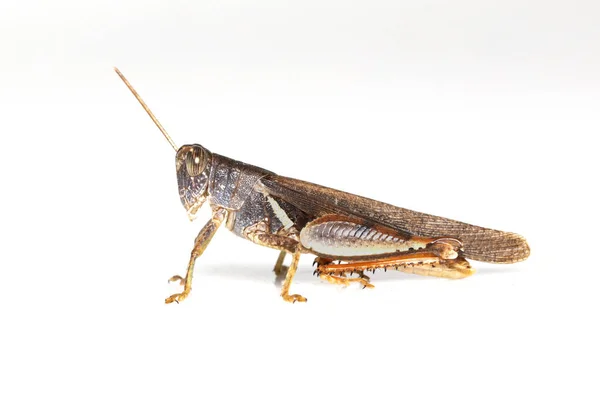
(479,111)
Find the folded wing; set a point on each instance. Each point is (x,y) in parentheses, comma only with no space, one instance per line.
(479,243)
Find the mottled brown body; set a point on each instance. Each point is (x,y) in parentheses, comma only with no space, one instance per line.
(298,217)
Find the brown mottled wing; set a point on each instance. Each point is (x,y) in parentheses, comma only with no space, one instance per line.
(479,243)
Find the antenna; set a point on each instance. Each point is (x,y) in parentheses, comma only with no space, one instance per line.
(137,96)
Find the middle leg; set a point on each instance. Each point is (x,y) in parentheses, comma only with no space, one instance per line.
(285,244)
(279,269)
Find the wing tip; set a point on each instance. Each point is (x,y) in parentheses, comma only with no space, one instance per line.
(507,248)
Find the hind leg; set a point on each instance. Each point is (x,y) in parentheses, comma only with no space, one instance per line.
(339,277)
(421,263)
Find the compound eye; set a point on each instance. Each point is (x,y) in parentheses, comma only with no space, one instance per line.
(195,161)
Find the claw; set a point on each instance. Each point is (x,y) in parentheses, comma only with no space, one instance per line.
(292,298)
(342,280)
(177,297)
(176,278)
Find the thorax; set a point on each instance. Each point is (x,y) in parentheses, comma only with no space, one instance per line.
(236,186)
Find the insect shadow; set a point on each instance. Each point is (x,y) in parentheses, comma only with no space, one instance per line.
(258,273)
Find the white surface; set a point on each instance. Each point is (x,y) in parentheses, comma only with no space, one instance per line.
(478,111)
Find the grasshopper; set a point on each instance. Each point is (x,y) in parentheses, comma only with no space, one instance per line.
(348,234)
